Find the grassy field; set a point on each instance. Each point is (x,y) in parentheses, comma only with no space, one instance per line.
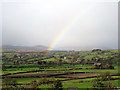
(72,69)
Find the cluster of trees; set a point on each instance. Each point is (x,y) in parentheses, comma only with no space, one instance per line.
(55,84)
(94,50)
(103,66)
(99,84)
(8,82)
(12,83)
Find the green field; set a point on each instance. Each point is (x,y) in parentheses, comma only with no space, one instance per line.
(77,69)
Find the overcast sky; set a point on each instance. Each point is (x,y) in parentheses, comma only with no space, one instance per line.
(39,22)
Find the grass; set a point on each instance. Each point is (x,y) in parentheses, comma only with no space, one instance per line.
(95,70)
(33,59)
(50,59)
(78,80)
(115,76)
(38,73)
(25,80)
(79,85)
(66,84)
(116,83)
(88,84)
(22,69)
(43,87)
(55,69)
(6,72)
(28,80)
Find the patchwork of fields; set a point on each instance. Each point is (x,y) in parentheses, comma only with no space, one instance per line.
(78,69)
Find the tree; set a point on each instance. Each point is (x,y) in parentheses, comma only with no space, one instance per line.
(43,81)
(105,76)
(111,67)
(34,84)
(99,84)
(110,85)
(15,56)
(60,61)
(58,85)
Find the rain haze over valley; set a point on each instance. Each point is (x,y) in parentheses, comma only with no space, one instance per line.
(60,24)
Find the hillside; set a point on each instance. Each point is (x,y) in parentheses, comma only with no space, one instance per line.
(38,47)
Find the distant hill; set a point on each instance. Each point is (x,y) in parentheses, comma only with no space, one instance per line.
(38,47)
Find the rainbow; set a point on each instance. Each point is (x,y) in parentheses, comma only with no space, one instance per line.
(64,31)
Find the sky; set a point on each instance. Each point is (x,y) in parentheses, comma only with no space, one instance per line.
(60,24)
